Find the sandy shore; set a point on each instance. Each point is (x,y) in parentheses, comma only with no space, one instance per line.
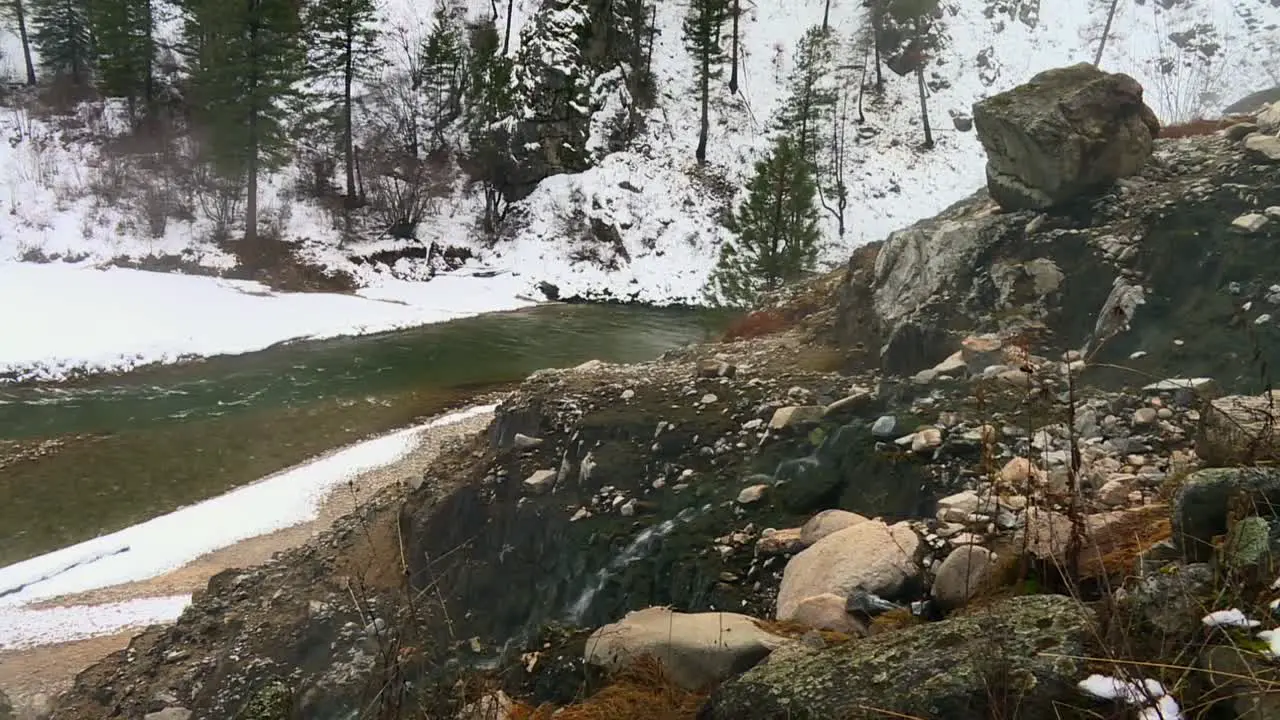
(31,676)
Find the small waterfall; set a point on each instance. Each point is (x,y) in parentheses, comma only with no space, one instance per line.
(640,547)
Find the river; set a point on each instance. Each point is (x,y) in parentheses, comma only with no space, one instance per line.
(78,460)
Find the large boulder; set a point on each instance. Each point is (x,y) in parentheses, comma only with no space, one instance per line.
(869,555)
(1066,132)
(1203,505)
(1028,647)
(695,649)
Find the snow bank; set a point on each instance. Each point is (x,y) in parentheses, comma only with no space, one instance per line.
(22,628)
(60,318)
(168,542)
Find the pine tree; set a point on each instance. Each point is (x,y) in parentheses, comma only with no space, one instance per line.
(489,102)
(16,12)
(63,36)
(124,48)
(777,229)
(443,71)
(342,45)
(811,100)
(703,30)
(245,59)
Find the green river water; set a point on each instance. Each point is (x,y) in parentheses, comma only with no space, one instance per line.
(136,446)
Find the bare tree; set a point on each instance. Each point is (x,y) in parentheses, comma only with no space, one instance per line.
(733,72)
(1106,32)
(506,37)
(20,15)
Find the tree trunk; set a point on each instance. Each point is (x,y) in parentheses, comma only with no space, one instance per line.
(704,126)
(924,105)
(877,26)
(148,82)
(251,200)
(733,73)
(653,35)
(506,37)
(348,142)
(1106,31)
(26,41)
(826,15)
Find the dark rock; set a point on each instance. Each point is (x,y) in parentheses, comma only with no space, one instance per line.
(1067,132)
(1202,505)
(942,670)
(1169,604)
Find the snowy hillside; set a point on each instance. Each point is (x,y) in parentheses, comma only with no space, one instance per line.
(665,216)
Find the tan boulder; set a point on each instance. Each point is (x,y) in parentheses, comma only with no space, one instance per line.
(827,612)
(869,555)
(827,522)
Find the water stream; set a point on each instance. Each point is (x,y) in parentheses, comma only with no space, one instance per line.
(83,459)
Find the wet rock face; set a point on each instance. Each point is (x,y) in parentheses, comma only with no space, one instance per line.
(945,669)
(1066,132)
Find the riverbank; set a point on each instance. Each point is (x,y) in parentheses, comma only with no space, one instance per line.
(42,660)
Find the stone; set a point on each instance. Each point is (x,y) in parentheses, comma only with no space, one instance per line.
(926,439)
(827,522)
(751,494)
(955,508)
(796,416)
(966,571)
(1239,430)
(885,427)
(779,542)
(496,705)
(931,670)
(1263,147)
(1245,680)
(716,368)
(849,403)
(1249,222)
(827,612)
(525,442)
(1144,416)
(1067,132)
(1017,472)
(1116,491)
(1047,536)
(180,713)
(871,555)
(540,481)
(1248,544)
(697,650)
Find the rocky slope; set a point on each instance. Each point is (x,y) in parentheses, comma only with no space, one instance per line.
(945,430)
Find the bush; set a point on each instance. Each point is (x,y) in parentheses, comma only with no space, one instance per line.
(757,324)
(1196,128)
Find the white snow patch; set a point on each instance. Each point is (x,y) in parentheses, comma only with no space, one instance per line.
(76,317)
(170,541)
(24,628)
(1228,618)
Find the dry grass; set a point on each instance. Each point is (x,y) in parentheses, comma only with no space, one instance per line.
(642,692)
(757,324)
(795,630)
(1196,128)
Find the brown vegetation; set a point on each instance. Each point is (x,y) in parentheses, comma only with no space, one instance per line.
(1197,127)
(642,692)
(756,324)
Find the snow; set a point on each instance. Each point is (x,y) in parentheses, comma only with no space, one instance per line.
(21,628)
(1149,695)
(77,317)
(643,224)
(1228,618)
(170,541)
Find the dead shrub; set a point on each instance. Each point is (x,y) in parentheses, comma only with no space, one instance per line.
(1196,128)
(643,691)
(757,324)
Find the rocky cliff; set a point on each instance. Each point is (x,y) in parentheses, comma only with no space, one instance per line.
(975,459)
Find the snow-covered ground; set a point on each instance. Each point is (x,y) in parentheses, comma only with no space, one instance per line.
(53,182)
(76,318)
(168,542)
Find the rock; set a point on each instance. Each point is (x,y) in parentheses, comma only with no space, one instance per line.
(965,572)
(1249,222)
(1144,416)
(1263,147)
(933,670)
(540,481)
(1115,491)
(751,493)
(779,542)
(796,416)
(885,427)
(1248,544)
(958,507)
(871,555)
(716,368)
(6,707)
(1244,680)
(827,522)
(181,713)
(495,705)
(1201,506)
(1108,537)
(849,403)
(524,442)
(697,650)
(1239,430)
(926,439)
(827,612)
(1067,132)
(1017,472)
(1170,603)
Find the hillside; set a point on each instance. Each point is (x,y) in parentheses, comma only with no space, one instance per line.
(67,198)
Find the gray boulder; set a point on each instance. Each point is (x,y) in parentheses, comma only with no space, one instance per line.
(1065,133)
(1203,503)
(937,670)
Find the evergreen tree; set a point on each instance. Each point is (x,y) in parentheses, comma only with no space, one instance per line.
(342,44)
(63,36)
(811,100)
(124,48)
(16,12)
(489,102)
(244,61)
(443,71)
(777,229)
(703,30)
